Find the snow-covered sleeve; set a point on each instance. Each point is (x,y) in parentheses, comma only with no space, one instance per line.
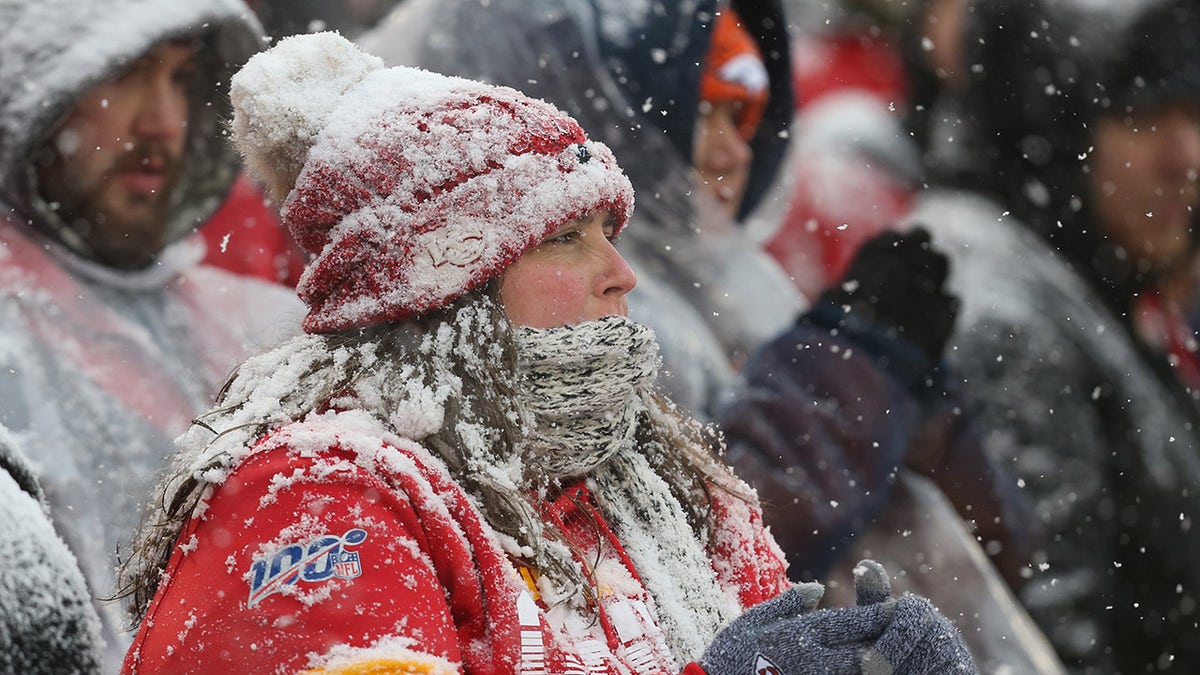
(302,562)
(745,557)
(47,623)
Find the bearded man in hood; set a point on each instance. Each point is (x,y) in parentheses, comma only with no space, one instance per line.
(112,334)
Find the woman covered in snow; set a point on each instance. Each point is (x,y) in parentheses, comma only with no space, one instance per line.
(821,413)
(463,466)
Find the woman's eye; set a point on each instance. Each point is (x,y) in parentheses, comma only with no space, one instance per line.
(564,237)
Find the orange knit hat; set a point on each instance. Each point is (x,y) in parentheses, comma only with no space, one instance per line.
(734,71)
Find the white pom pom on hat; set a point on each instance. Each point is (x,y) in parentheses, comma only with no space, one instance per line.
(410,188)
(283,97)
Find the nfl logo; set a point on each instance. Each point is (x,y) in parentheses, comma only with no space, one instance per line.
(346,565)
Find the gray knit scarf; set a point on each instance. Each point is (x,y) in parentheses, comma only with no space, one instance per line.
(586,386)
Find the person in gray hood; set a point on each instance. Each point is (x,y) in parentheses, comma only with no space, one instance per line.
(112,336)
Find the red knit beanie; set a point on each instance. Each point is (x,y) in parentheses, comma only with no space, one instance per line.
(409,188)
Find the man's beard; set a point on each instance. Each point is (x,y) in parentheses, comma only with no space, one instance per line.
(116,225)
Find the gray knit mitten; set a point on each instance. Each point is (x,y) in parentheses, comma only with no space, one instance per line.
(880,636)
(919,640)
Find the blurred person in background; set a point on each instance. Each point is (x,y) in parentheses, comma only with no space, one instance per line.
(1082,123)
(852,430)
(112,334)
(839,479)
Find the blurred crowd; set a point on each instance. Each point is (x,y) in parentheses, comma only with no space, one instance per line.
(929,269)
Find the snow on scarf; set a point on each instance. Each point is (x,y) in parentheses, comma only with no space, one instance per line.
(587,386)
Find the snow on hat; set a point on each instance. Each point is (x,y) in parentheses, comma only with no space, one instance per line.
(410,188)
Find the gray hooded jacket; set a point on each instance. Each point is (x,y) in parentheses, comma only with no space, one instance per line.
(100,369)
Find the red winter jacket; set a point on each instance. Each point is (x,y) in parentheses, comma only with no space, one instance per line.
(328,550)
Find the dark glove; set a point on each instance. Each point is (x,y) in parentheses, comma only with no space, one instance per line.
(896,281)
(789,636)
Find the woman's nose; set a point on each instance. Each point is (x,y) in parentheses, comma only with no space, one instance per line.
(619,277)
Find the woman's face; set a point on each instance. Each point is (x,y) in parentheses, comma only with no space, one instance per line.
(574,275)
